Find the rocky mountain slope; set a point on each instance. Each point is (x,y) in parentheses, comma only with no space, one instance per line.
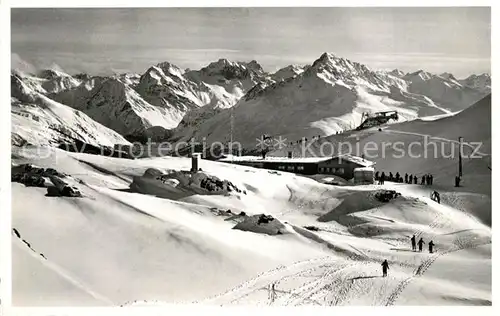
(330,96)
(38,120)
(324,98)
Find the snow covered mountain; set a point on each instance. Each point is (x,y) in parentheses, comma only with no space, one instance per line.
(320,99)
(288,72)
(479,82)
(133,104)
(48,81)
(38,120)
(443,90)
(330,96)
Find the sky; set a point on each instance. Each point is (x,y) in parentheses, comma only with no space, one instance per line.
(108,40)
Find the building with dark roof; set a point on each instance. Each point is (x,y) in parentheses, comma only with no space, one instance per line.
(342,165)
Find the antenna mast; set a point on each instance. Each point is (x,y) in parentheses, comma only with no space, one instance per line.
(231,134)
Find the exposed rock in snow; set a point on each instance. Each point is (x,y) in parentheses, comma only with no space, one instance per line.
(262,224)
(181,184)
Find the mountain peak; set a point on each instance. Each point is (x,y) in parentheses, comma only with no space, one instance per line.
(483,75)
(170,68)
(447,75)
(419,74)
(396,72)
(232,70)
(255,66)
(51,74)
(324,59)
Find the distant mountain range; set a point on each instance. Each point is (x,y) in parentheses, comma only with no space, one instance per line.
(169,103)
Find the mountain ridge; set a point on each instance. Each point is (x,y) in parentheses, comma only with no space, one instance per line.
(185,102)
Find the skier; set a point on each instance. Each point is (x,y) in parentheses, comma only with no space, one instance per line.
(385,267)
(435,197)
(431,244)
(273,292)
(420,244)
(406,178)
(413,243)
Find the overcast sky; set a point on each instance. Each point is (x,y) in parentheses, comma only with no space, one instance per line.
(103,41)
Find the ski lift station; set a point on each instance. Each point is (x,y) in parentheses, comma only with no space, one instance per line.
(377,119)
(343,166)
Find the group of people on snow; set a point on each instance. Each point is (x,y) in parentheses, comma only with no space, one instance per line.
(420,244)
(414,243)
(426,179)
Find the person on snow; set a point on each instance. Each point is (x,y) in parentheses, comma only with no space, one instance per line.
(406,178)
(420,244)
(431,179)
(410,179)
(376,176)
(424,179)
(413,243)
(382,178)
(415,179)
(435,197)
(385,267)
(397,176)
(272,292)
(431,245)
(391,177)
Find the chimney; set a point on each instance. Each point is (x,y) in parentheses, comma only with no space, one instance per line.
(195,162)
(290,154)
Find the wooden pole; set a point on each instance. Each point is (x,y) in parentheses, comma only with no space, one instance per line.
(460,157)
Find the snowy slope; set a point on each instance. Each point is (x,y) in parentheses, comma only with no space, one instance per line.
(48,81)
(121,108)
(156,249)
(38,120)
(420,147)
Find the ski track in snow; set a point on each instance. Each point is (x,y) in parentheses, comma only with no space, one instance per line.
(65,274)
(426,264)
(335,280)
(330,280)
